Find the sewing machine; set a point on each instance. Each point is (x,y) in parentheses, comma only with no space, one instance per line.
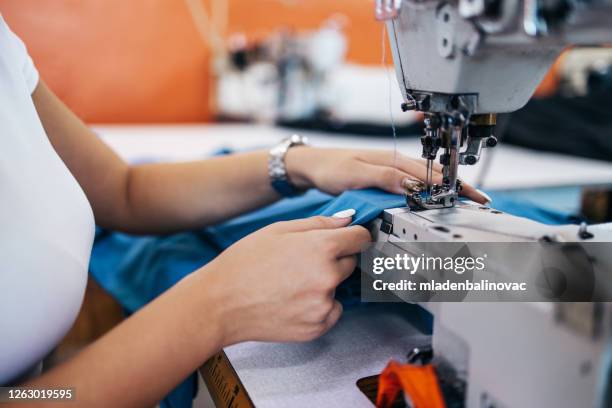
(460,63)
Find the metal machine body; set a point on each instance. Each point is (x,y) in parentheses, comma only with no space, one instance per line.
(511,354)
(463,61)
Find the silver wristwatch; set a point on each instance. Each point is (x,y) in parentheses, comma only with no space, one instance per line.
(279,178)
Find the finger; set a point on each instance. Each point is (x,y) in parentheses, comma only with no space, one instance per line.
(346,266)
(474,194)
(436,166)
(417,168)
(332,317)
(418,172)
(318,222)
(394,159)
(384,177)
(408,163)
(410,168)
(349,241)
(467,190)
(406,170)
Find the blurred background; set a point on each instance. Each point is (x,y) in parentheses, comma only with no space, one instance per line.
(316,64)
(161,59)
(176,61)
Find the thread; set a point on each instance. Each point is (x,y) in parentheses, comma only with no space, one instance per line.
(389,89)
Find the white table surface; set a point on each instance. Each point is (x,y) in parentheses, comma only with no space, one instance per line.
(511,168)
(324,372)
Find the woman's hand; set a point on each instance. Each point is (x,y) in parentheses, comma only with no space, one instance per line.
(278,283)
(338,170)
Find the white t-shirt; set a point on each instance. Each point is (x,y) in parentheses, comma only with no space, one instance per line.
(46,224)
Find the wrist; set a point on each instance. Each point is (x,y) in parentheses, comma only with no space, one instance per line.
(217,303)
(299,166)
(204,302)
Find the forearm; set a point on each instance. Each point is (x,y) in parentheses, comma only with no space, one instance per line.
(174,196)
(155,198)
(138,362)
(161,198)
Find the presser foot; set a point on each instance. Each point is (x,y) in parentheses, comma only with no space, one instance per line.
(440,197)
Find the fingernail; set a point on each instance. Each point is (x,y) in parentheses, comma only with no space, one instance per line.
(486,196)
(407,181)
(412,184)
(348,213)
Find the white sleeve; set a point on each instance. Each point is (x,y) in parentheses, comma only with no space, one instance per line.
(30,73)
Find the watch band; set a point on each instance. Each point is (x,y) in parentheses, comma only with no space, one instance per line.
(277,170)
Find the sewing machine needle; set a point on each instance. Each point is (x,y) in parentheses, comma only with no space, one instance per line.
(428,182)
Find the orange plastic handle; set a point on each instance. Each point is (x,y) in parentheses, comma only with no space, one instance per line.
(419,383)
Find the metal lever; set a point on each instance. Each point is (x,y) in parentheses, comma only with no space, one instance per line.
(387,9)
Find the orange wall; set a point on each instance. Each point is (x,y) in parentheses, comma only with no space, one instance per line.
(143,61)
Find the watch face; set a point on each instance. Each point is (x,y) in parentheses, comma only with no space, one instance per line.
(298,140)
(277,150)
(277,172)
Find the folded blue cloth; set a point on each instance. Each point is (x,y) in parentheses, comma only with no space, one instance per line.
(135,270)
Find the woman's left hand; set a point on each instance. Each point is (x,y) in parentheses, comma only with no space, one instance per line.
(336,170)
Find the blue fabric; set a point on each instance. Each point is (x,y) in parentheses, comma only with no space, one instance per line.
(509,202)
(366,203)
(225,234)
(182,396)
(135,270)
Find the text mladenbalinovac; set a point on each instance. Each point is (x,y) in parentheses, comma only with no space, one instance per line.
(436,286)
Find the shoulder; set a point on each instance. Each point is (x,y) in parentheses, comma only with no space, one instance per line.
(15,53)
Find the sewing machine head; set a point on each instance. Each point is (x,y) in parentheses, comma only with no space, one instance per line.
(463,61)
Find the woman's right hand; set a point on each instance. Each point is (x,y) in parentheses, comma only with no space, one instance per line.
(278,283)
